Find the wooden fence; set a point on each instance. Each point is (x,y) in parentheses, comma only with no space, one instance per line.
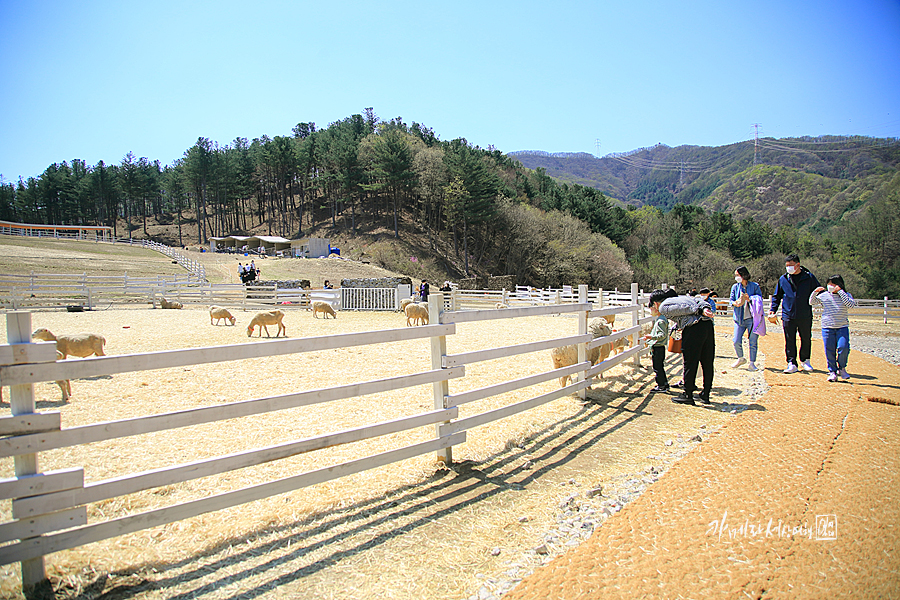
(867,308)
(49,509)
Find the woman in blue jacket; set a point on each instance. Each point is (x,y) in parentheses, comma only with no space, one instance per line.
(743,294)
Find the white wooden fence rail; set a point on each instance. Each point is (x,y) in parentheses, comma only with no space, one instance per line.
(49,510)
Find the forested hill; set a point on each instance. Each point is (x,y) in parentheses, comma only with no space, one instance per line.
(801,181)
(397,195)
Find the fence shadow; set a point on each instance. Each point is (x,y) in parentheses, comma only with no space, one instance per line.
(405,509)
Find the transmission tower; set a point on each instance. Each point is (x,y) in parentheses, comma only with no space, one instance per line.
(755,142)
(597,143)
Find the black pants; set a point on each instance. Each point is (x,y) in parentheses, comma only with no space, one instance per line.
(659,366)
(791,329)
(698,344)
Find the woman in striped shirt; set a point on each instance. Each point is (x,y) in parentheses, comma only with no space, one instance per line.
(835,324)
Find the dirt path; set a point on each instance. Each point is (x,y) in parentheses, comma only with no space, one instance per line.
(797,500)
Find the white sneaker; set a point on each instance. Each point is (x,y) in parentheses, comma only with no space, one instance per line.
(806,366)
(741,360)
(832,377)
(752,367)
(791,368)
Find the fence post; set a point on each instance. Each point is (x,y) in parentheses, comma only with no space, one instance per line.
(21,401)
(582,329)
(634,321)
(600,298)
(885,310)
(438,352)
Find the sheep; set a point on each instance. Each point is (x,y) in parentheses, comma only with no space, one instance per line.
(416,313)
(322,307)
(500,305)
(65,385)
(77,344)
(218,313)
(263,319)
(565,356)
(170,304)
(404,303)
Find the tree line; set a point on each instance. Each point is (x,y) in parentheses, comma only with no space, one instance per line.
(495,215)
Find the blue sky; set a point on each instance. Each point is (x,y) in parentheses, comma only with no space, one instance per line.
(95,80)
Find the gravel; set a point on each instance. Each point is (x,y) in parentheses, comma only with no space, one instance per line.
(884,347)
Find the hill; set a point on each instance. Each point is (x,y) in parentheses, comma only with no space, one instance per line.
(802,181)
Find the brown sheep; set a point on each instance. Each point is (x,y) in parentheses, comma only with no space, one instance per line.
(565,356)
(416,313)
(76,344)
(218,313)
(322,307)
(170,304)
(262,319)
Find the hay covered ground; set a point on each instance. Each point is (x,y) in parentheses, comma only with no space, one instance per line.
(409,530)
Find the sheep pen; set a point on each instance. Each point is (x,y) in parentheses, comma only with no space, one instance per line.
(365,532)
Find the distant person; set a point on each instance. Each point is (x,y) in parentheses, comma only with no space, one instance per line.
(693,316)
(423,291)
(792,294)
(328,285)
(446,287)
(747,306)
(658,339)
(835,301)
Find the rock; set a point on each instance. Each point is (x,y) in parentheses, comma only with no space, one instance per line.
(669,442)
(568,501)
(597,491)
(542,549)
(495,552)
(696,438)
(523,519)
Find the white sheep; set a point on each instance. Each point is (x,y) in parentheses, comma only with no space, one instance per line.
(565,356)
(218,313)
(416,313)
(262,319)
(404,303)
(325,308)
(164,303)
(76,344)
(500,305)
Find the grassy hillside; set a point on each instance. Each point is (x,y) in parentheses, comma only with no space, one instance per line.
(798,181)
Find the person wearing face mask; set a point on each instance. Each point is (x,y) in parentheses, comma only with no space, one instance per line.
(792,294)
(835,301)
(746,299)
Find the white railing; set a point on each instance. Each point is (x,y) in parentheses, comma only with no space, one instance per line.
(188,263)
(867,308)
(49,510)
(369,299)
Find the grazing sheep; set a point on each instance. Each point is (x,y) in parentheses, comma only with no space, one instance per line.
(322,307)
(65,385)
(404,303)
(502,305)
(261,320)
(416,313)
(565,356)
(76,344)
(170,304)
(218,313)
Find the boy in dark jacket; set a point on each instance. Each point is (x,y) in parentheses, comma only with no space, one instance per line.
(792,294)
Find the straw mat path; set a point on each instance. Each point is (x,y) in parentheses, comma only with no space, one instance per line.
(800,500)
